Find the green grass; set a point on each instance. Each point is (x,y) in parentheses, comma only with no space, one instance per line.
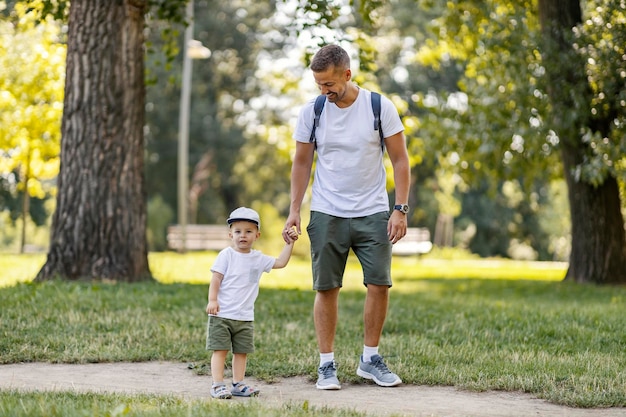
(69,404)
(447,325)
(193,268)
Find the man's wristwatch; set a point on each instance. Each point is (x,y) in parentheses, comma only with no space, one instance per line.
(402,208)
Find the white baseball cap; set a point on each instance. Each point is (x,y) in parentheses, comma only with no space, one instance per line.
(244,214)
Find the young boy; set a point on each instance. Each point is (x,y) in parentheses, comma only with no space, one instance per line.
(232,293)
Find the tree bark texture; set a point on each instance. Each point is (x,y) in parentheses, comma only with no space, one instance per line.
(598,239)
(99,226)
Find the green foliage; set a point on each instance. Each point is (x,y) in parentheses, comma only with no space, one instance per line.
(239,151)
(494,126)
(160,215)
(44,9)
(495,121)
(37,236)
(32,62)
(506,127)
(172,11)
(601,41)
(167,10)
(158,12)
(462,113)
(313,14)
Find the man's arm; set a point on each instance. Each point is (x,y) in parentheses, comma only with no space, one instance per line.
(396,148)
(300,177)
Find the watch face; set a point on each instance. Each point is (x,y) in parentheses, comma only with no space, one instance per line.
(403,208)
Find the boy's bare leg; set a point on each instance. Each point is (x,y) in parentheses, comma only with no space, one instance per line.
(239,366)
(217,365)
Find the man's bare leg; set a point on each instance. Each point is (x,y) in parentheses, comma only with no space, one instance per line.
(375,313)
(325,314)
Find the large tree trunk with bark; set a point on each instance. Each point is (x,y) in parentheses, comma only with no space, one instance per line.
(598,239)
(99,227)
(598,253)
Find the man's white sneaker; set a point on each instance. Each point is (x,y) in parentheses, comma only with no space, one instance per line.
(377,371)
(327,376)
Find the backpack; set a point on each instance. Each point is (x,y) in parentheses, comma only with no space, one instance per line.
(319,106)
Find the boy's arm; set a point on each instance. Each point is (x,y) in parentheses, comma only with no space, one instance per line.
(285,254)
(216,281)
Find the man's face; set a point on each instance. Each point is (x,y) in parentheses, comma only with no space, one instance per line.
(333,82)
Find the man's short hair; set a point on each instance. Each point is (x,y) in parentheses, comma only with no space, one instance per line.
(329,56)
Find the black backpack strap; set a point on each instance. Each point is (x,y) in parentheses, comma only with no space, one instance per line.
(378,125)
(317,108)
(320,101)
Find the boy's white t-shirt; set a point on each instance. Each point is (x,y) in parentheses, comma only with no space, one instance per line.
(350,178)
(240,286)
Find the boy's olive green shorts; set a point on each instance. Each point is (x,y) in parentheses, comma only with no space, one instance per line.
(233,335)
(331,240)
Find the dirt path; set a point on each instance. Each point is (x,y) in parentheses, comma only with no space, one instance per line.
(166,378)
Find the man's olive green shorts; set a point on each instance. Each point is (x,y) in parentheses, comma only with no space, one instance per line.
(331,240)
(233,335)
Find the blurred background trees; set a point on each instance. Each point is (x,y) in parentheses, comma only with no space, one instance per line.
(32,68)
(468,78)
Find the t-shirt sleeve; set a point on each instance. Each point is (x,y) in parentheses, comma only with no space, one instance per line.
(390,118)
(304,125)
(221,262)
(267,263)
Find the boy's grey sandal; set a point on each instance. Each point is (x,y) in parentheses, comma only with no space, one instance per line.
(243,390)
(220,391)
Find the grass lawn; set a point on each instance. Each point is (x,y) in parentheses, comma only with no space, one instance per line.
(476,325)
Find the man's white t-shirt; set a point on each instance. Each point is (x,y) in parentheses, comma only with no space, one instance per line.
(350,178)
(240,286)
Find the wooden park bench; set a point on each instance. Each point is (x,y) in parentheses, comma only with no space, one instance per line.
(215,237)
(198,237)
(415,242)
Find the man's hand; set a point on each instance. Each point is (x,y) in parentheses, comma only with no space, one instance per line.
(293,221)
(396,227)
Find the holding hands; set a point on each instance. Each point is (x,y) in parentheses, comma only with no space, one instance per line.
(290,235)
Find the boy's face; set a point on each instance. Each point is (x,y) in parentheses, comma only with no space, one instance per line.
(243,234)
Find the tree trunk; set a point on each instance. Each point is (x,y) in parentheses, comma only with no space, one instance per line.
(598,238)
(598,251)
(99,226)
(25,211)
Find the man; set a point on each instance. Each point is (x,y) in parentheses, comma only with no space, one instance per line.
(349,206)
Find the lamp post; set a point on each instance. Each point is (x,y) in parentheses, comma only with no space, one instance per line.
(193,49)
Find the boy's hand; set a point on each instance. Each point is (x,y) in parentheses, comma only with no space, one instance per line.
(212,308)
(293,235)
